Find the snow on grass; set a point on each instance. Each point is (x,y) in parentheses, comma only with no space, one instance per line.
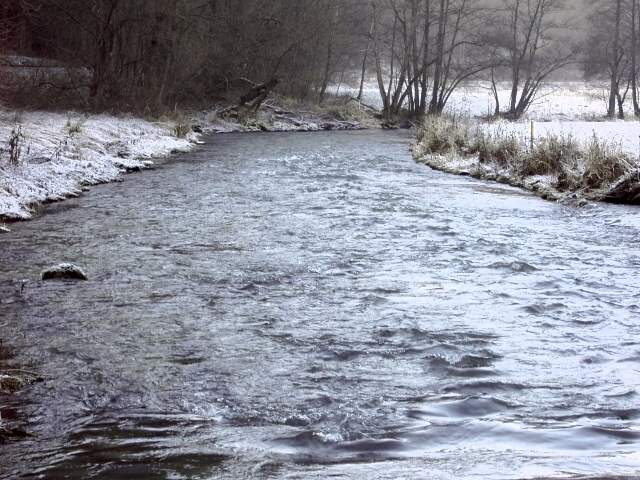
(61,154)
(626,134)
(595,160)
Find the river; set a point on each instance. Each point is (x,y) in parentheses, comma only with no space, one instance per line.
(320,306)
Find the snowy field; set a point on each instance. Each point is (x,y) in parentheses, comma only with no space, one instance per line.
(625,134)
(61,154)
(558,101)
(567,108)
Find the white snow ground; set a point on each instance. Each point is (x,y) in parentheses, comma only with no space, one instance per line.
(625,134)
(575,108)
(557,101)
(57,162)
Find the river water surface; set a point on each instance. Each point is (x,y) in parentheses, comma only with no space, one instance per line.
(318,305)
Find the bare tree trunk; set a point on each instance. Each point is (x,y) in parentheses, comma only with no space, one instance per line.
(330,46)
(515,60)
(376,52)
(327,71)
(425,58)
(494,89)
(433,106)
(615,64)
(620,101)
(364,60)
(634,57)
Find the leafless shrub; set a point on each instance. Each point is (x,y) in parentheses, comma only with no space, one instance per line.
(181,128)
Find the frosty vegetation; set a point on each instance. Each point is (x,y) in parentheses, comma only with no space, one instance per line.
(552,164)
(51,156)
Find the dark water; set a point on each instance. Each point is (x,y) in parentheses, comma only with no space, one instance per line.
(318,306)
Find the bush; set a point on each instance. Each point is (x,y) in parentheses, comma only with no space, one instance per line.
(181,128)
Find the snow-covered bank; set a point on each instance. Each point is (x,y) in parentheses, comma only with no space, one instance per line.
(563,161)
(287,115)
(59,155)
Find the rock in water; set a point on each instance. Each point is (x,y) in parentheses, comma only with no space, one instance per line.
(64,271)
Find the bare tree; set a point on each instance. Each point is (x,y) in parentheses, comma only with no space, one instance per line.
(615,62)
(533,50)
(612,49)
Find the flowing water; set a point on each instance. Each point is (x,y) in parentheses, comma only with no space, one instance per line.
(320,306)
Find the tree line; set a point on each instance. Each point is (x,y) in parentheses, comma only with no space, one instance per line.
(153,55)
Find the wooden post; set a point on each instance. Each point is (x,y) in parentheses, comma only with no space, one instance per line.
(532,132)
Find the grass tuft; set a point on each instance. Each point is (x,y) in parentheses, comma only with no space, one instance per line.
(550,155)
(181,128)
(74,127)
(605,162)
(444,135)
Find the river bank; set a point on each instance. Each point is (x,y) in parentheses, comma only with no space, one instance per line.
(571,161)
(47,156)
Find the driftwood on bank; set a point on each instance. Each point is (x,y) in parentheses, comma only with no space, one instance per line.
(251,101)
(625,191)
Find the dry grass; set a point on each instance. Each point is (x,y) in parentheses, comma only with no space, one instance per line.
(74,127)
(181,127)
(578,165)
(501,148)
(550,155)
(444,135)
(605,163)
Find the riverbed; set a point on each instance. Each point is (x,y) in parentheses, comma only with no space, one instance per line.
(313,305)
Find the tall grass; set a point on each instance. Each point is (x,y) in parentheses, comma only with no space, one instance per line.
(592,165)
(605,162)
(550,155)
(444,134)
